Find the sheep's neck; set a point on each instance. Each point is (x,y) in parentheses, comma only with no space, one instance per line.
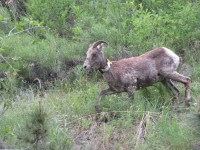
(105,66)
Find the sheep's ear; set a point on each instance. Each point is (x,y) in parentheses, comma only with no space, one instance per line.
(99,44)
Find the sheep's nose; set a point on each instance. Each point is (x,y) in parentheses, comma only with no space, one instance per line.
(84,66)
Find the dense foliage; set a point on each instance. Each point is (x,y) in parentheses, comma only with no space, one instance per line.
(42,46)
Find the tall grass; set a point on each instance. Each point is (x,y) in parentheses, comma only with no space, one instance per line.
(46,46)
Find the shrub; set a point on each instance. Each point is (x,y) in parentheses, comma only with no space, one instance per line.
(32,58)
(138,28)
(5,22)
(58,15)
(35,129)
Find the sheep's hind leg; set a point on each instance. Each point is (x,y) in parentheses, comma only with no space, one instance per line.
(180,78)
(173,88)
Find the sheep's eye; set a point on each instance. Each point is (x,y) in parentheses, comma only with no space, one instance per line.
(94,55)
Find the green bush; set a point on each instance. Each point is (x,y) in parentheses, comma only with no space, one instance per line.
(35,129)
(58,15)
(130,28)
(137,28)
(5,22)
(53,36)
(32,57)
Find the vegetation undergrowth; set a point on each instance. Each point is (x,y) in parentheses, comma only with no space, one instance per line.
(48,102)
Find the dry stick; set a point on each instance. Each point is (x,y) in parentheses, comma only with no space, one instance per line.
(104,126)
(9,34)
(10,31)
(28,30)
(90,115)
(142,131)
(1,38)
(6,61)
(27,148)
(4,110)
(79,135)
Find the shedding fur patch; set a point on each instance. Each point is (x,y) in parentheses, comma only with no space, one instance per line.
(108,66)
(175,57)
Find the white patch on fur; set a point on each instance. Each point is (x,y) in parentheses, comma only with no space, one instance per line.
(175,57)
(98,46)
(107,67)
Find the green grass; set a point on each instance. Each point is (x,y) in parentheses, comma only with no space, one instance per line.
(72,112)
(61,115)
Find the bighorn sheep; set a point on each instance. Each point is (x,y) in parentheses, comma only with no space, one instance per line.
(130,74)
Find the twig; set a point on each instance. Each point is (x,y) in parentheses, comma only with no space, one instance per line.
(4,110)
(104,126)
(26,30)
(22,148)
(11,31)
(23,31)
(90,115)
(6,61)
(142,129)
(74,139)
(29,146)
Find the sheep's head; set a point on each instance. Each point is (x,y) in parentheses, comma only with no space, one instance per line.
(95,56)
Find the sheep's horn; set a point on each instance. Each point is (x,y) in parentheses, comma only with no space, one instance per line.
(99,42)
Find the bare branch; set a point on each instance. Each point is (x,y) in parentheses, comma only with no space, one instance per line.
(11,31)
(4,110)
(27,30)
(142,129)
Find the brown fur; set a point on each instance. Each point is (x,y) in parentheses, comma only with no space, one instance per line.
(130,74)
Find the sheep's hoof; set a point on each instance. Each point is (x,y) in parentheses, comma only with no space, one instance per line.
(187,103)
(98,109)
(98,118)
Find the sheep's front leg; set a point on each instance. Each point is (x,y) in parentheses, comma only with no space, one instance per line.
(101,95)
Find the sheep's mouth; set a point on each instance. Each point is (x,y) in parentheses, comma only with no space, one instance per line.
(89,70)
